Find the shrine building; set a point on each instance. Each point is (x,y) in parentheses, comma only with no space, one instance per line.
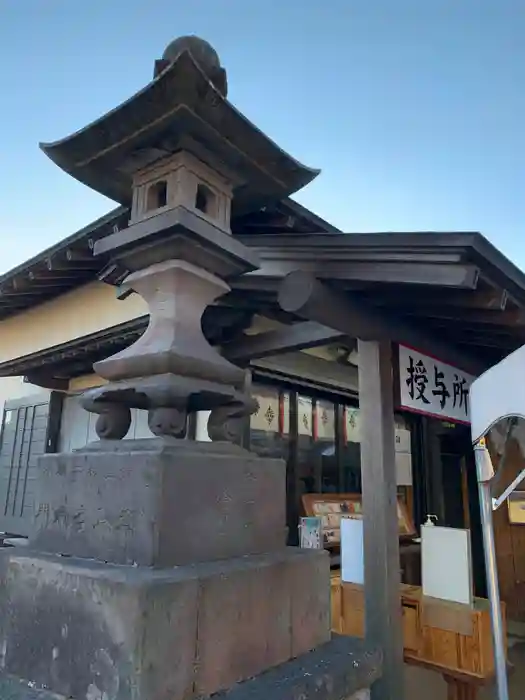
(447,305)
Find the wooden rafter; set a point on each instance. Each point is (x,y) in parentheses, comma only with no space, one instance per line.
(291,338)
(461,299)
(509,318)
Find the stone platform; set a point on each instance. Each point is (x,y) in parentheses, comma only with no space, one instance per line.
(341,668)
(160,502)
(88,630)
(13,689)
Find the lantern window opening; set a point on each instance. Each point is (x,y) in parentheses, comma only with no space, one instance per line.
(157,195)
(205,200)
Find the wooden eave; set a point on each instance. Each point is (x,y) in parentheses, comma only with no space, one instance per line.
(470,296)
(414,247)
(221,325)
(287,216)
(75,357)
(58,269)
(70,263)
(453,285)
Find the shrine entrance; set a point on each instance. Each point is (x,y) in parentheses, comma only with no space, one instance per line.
(460,494)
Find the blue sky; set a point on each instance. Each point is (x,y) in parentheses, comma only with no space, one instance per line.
(413,109)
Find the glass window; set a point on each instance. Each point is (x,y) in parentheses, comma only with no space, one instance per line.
(325,445)
(319,440)
(308,472)
(351,450)
(316,449)
(403,452)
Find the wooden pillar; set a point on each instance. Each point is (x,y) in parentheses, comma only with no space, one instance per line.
(381,529)
(54,421)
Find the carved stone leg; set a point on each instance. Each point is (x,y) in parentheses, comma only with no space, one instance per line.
(226,422)
(113,421)
(168,422)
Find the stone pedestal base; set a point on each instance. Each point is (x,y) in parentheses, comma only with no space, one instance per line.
(92,631)
(160,502)
(341,669)
(13,689)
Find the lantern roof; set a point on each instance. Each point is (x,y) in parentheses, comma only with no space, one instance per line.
(184,107)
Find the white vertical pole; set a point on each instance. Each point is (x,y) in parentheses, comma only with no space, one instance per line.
(485,473)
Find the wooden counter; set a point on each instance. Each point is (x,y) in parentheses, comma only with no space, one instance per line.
(335,598)
(452,639)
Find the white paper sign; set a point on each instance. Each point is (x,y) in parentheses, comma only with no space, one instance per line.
(446,568)
(352,554)
(432,387)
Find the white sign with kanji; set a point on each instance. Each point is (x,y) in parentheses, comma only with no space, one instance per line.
(432,387)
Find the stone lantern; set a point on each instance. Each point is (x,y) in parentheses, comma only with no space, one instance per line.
(162,571)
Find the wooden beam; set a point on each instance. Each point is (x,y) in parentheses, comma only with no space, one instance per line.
(7,311)
(383,623)
(454,329)
(121,335)
(452,275)
(11,295)
(37,285)
(478,299)
(281,222)
(52,277)
(53,264)
(13,302)
(46,380)
(81,256)
(222,324)
(113,274)
(256,283)
(297,337)
(505,344)
(67,264)
(508,318)
(302,294)
(260,303)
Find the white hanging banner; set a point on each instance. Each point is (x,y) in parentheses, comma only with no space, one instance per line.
(266,418)
(304,415)
(286,413)
(325,417)
(352,424)
(432,387)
